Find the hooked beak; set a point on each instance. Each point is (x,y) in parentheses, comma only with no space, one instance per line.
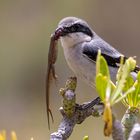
(58,32)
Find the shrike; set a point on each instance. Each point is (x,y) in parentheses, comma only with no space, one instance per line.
(81,44)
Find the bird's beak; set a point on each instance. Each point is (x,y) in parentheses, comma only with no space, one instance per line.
(58,32)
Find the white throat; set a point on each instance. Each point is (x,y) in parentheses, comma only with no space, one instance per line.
(73,39)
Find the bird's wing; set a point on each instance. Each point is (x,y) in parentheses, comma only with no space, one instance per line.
(112,56)
(137,69)
(90,50)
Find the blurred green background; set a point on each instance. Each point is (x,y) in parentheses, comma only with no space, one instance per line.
(25,28)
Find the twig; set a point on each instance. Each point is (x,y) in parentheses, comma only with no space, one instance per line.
(117,132)
(128,121)
(74,113)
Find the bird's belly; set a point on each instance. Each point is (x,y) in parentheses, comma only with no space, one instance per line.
(83,69)
(87,71)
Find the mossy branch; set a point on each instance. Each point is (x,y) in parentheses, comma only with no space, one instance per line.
(74,113)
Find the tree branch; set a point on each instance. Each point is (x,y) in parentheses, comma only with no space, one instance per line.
(74,113)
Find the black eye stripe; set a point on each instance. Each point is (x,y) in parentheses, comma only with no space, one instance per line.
(77,28)
(73,29)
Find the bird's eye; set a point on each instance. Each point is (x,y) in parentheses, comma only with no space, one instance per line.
(72,29)
(77,26)
(65,29)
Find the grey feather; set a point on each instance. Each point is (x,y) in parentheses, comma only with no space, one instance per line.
(90,49)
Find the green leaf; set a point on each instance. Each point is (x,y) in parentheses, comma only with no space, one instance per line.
(129,83)
(86,138)
(133,98)
(104,67)
(136,94)
(101,85)
(124,87)
(138,76)
(121,97)
(131,63)
(101,65)
(120,70)
(123,75)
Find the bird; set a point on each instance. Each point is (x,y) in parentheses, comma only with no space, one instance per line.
(80,46)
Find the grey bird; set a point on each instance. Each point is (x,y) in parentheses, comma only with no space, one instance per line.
(81,44)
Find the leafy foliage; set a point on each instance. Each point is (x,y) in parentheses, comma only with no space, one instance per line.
(125,89)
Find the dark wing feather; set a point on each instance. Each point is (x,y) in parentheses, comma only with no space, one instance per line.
(112,56)
(137,69)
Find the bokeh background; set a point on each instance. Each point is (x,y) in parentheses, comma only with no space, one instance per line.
(25,28)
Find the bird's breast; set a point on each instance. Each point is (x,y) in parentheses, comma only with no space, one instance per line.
(82,67)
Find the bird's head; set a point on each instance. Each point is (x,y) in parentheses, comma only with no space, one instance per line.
(72,31)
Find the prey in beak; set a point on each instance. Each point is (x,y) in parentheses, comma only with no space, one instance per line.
(52,57)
